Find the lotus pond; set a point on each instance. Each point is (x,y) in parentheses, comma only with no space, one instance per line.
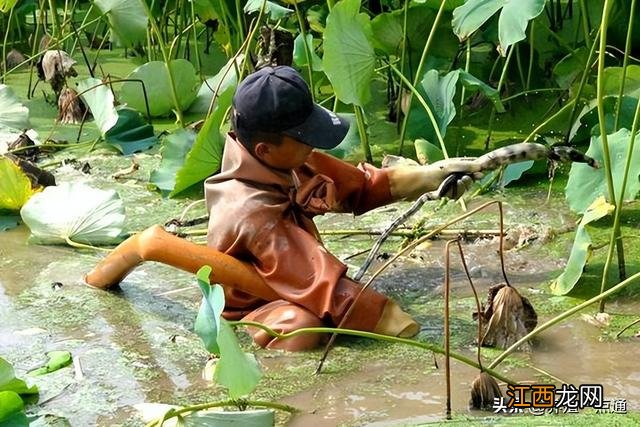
(129,148)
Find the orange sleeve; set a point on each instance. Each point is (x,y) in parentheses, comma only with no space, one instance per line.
(358,189)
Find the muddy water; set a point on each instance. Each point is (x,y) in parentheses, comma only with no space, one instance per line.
(136,344)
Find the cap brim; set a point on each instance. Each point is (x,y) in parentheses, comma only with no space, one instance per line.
(322,129)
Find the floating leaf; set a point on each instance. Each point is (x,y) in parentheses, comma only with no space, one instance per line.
(349,58)
(100,100)
(127,19)
(11,405)
(14,114)
(206,154)
(300,53)
(155,76)
(581,250)
(274,10)
(9,382)
(15,186)
(514,17)
(208,319)
(229,76)
(57,360)
(586,184)
(236,370)
(76,212)
(131,133)
(174,150)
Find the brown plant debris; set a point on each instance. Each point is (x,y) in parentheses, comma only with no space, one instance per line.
(54,67)
(484,390)
(71,108)
(507,316)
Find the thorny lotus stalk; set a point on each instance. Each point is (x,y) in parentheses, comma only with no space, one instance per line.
(625,63)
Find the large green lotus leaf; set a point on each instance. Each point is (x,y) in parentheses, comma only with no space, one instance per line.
(6,5)
(9,382)
(156,81)
(206,154)
(300,53)
(14,115)
(76,212)
(228,75)
(514,17)
(435,4)
(174,150)
(100,100)
(127,19)
(586,184)
(131,133)
(207,325)
(10,405)
(57,360)
(274,10)
(15,186)
(349,58)
(613,77)
(238,371)
(588,125)
(387,28)
(439,92)
(581,250)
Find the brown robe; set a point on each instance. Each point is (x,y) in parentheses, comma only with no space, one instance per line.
(264,216)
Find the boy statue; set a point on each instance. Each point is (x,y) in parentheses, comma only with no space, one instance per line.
(271,185)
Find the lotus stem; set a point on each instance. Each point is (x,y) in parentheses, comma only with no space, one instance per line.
(372,335)
(446,332)
(615,233)
(625,63)
(307,49)
(4,44)
(362,130)
(503,75)
(416,78)
(603,135)
(531,51)
(424,104)
(585,22)
(635,322)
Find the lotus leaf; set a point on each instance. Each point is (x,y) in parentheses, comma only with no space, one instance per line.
(76,212)
(207,325)
(300,53)
(131,132)
(581,250)
(514,17)
(229,76)
(127,19)
(14,114)
(586,184)
(100,100)
(206,154)
(349,58)
(15,186)
(155,77)
(274,10)
(174,150)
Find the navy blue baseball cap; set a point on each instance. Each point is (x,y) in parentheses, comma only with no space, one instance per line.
(277,100)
